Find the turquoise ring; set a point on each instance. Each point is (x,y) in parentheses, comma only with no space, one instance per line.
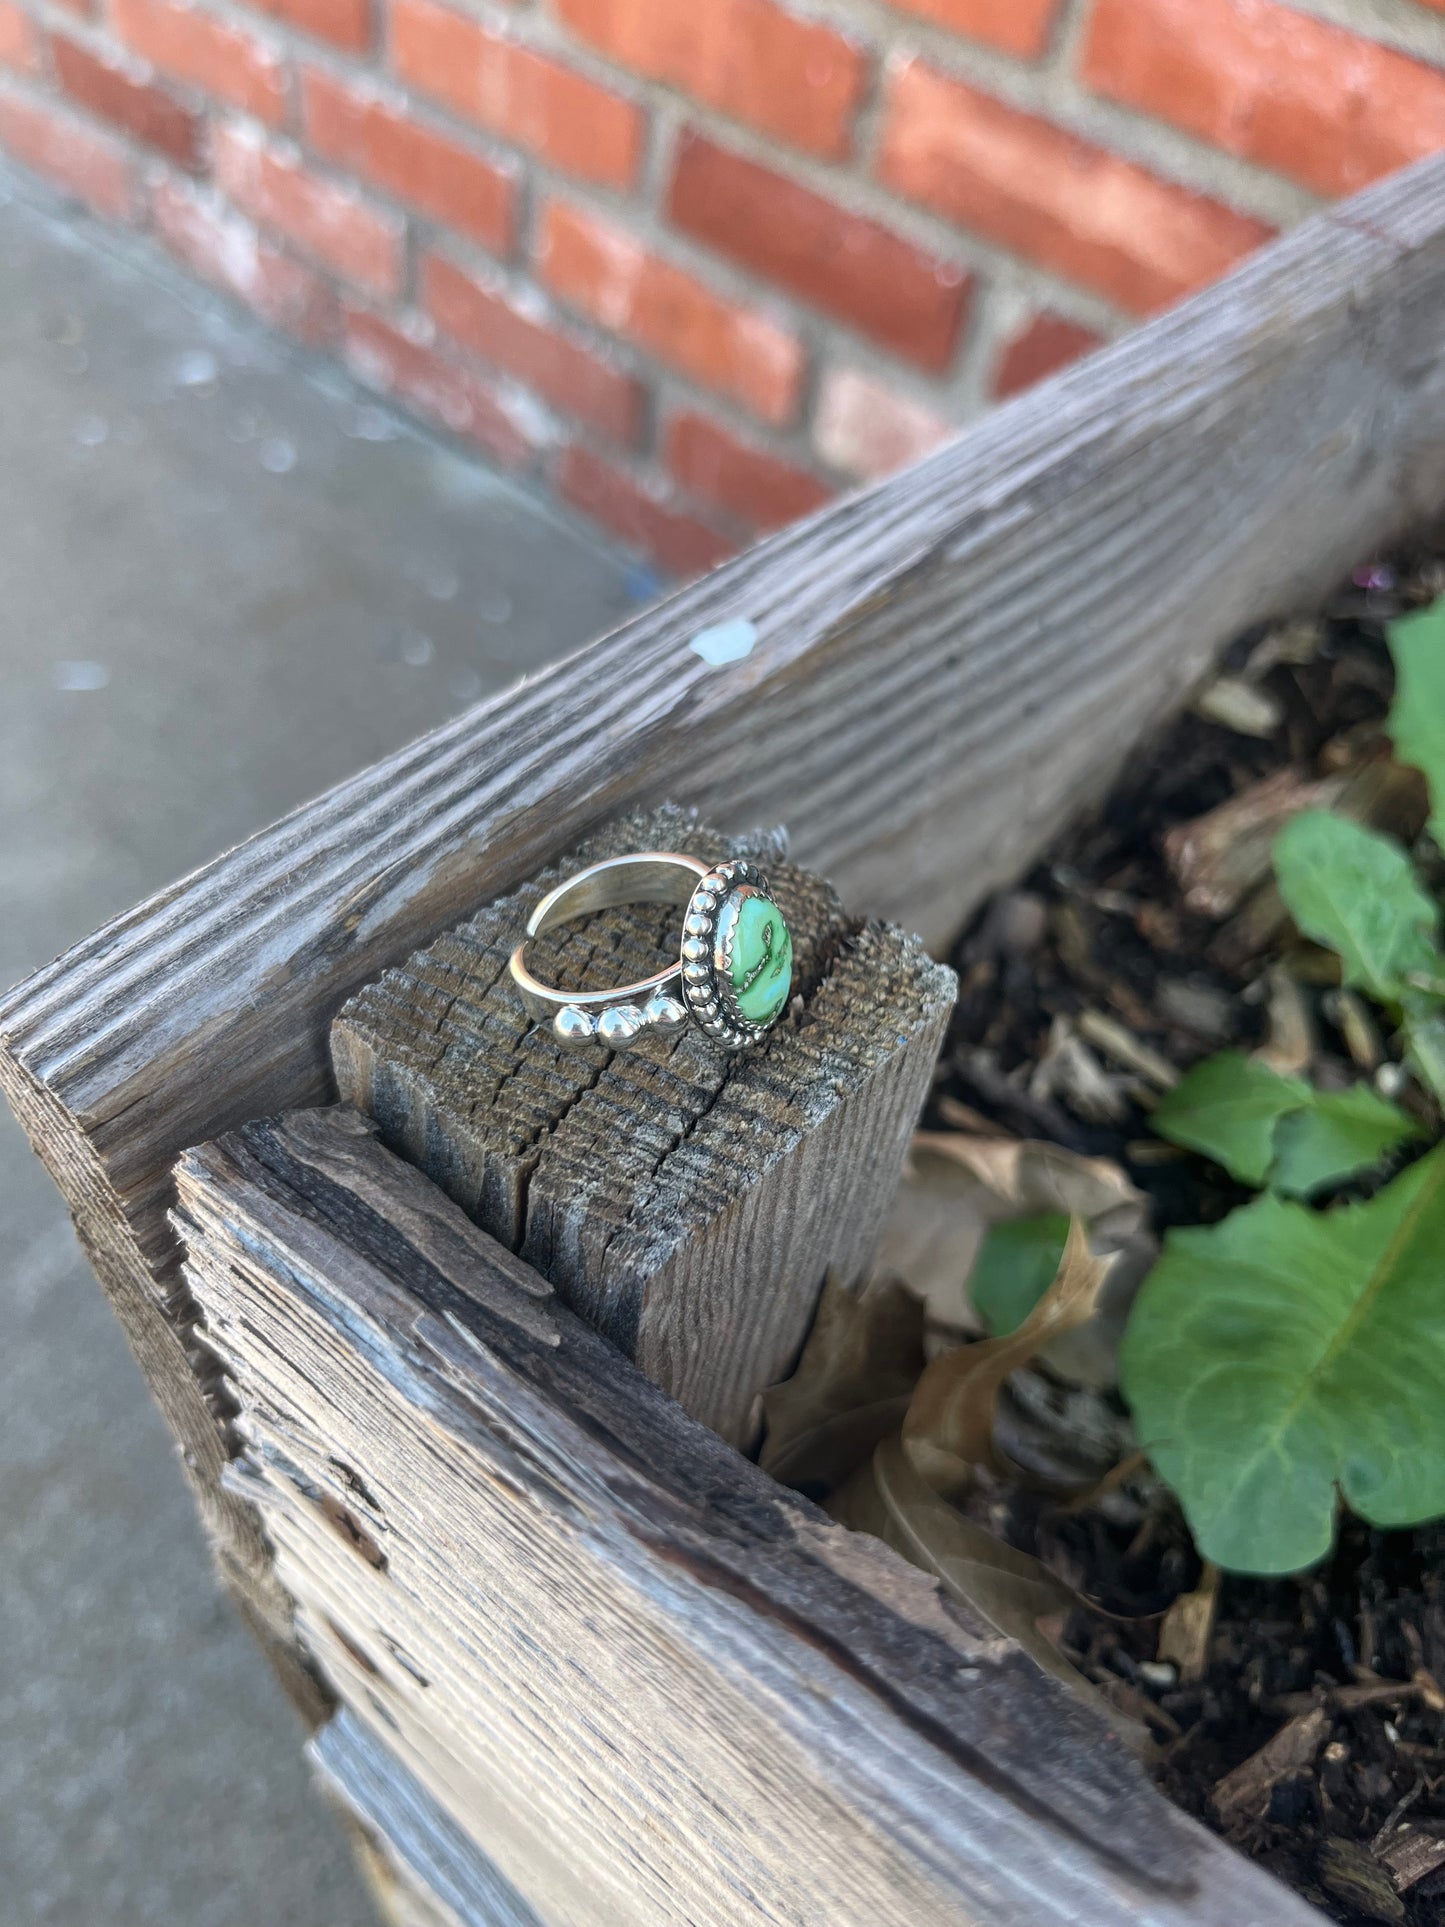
(734,969)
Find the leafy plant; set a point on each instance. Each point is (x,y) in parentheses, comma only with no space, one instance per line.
(1268,1129)
(1288,1354)
(1356,892)
(1285,1352)
(1417,719)
(1337,1135)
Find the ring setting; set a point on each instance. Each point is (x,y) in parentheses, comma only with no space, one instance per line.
(733,974)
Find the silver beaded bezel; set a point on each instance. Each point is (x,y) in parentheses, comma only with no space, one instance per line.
(707,943)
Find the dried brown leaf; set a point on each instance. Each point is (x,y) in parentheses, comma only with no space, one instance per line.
(1009,1590)
(950,1424)
(1244,1794)
(1000,1588)
(957,1186)
(1381,794)
(1219,858)
(1290,1044)
(1351,1016)
(851,1387)
(1117,1041)
(1188,1627)
(1236,703)
(1070,1073)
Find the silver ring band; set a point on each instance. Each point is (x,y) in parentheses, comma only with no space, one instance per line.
(733,973)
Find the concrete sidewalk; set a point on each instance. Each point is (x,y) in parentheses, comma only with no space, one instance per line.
(224,584)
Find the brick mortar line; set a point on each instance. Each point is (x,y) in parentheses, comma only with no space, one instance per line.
(1000,309)
(793,442)
(1026,85)
(645,464)
(1403,25)
(676,393)
(1408,26)
(1009,281)
(830,343)
(379,87)
(519,291)
(43,92)
(869,197)
(1047,90)
(1071,28)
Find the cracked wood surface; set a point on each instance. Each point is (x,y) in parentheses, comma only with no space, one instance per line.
(646,1683)
(945,667)
(687,1201)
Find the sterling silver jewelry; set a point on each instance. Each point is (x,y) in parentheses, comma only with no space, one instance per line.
(735,961)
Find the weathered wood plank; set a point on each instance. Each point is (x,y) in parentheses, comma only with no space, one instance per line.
(943,667)
(687,1201)
(451,1882)
(651,1685)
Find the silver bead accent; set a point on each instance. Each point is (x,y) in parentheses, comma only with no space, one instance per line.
(573,1026)
(696,973)
(618,1026)
(697,926)
(664,1013)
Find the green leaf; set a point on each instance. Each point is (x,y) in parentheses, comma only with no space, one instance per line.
(1354,890)
(1425,1032)
(1417,716)
(1285,1353)
(1228,1107)
(1340,1133)
(1016,1264)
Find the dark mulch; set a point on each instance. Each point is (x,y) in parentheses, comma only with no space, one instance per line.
(1341,1669)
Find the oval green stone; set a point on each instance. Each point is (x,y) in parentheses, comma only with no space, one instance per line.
(762,960)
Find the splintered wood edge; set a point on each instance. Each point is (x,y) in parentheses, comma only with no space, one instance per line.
(945,667)
(307,1223)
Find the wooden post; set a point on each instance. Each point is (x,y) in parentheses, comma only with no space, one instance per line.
(608,1673)
(687,1201)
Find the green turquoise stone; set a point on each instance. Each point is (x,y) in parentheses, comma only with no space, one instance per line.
(762,960)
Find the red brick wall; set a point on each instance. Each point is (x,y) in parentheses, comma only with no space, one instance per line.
(699,263)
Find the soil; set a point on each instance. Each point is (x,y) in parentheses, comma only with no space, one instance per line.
(1308,1726)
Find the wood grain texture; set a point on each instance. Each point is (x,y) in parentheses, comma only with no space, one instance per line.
(944,667)
(429,1873)
(687,1201)
(650,1685)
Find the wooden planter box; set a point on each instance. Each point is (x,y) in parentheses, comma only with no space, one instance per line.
(567,1656)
